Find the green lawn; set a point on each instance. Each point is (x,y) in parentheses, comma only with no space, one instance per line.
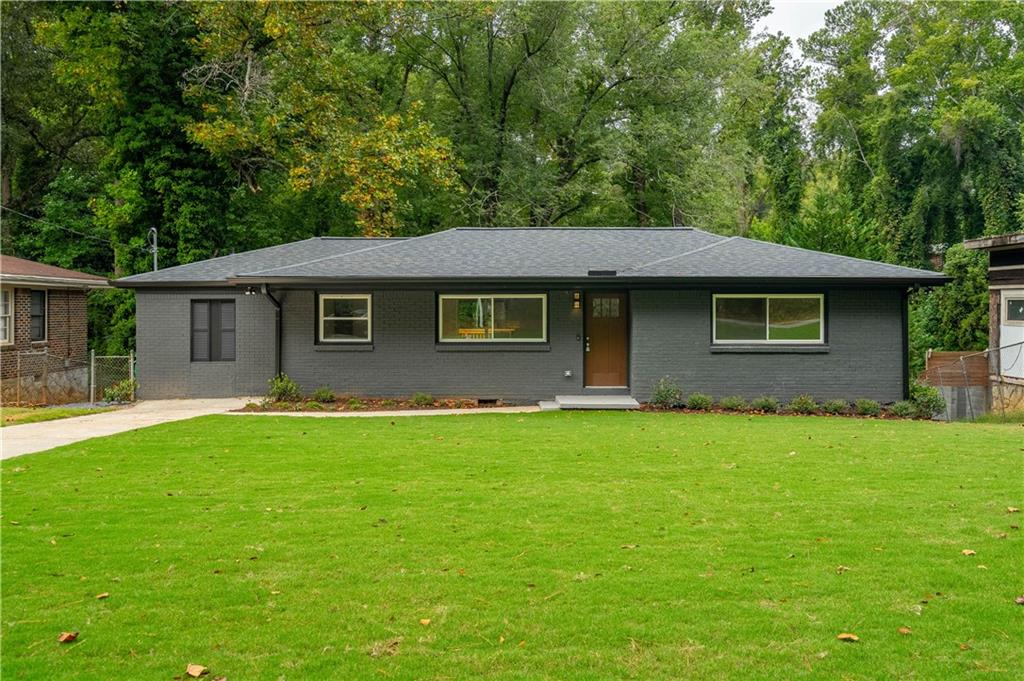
(561,545)
(12,416)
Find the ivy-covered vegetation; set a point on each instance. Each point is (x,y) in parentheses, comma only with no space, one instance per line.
(229,126)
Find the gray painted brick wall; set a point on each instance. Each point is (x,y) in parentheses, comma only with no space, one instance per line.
(165,369)
(671,336)
(406,358)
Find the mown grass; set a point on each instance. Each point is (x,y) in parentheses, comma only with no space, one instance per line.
(562,545)
(12,416)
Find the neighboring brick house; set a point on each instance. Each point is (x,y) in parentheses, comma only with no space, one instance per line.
(43,328)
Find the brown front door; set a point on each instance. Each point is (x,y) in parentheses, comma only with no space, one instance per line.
(606,349)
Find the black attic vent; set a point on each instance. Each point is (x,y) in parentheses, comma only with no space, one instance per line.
(601,273)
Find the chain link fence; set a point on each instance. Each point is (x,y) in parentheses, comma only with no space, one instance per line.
(38,377)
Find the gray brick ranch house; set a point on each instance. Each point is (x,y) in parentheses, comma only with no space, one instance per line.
(525,314)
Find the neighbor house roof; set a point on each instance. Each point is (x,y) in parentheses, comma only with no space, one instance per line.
(542,254)
(988,243)
(18,271)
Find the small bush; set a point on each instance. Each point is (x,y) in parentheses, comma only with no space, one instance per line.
(387,403)
(765,403)
(699,401)
(355,404)
(803,404)
(733,403)
(867,407)
(905,409)
(323,394)
(254,405)
(313,405)
(835,406)
(283,389)
(666,394)
(422,400)
(122,391)
(927,400)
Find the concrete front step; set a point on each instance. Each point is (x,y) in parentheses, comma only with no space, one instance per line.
(593,402)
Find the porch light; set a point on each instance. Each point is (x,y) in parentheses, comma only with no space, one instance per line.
(251,290)
(576,300)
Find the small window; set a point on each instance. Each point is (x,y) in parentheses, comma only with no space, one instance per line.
(345,318)
(1014,312)
(213,330)
(37,316)
(781,318)
(493,318)
(6,316)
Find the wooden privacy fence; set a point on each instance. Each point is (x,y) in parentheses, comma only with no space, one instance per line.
(946,369)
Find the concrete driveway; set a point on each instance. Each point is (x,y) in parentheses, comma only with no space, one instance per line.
(35,437)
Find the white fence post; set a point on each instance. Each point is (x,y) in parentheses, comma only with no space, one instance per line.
(92,377)
(131,371)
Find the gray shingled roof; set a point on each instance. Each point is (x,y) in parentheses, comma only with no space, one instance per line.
(547,253)
(227,266)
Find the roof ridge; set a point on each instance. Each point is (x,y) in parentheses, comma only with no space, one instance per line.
(838,255)
(722,240)
(596,228)
(386,243)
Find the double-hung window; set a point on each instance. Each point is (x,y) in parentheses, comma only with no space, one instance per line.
(773,318)
(6,316)
(345,318)
(493,318)
(37,315)
(213,330)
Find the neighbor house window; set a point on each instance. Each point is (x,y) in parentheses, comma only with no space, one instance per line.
(6,316)
(213,330)
(345,318)
(37,316)
(493,318)
(780,318)
(1014,312)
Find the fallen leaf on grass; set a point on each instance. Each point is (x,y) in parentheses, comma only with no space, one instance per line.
(1019,600)
(905,631)
(629,546)
(965,646)
(425,622)
(196,670)
(968,552)
(1012,509)
(841,569)
(101,596)
(522,644)
(67,636)
(848,638)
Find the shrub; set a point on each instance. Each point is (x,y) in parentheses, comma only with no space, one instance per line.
(867,407)
(699,401)
(323,394)
(313,405)
(765,403)
(803,404)
(283,389)
(422,400)
(835,406)
(355,403)
(733,403)
(927,400)
(666,394)
(387,403)
(122,391)
(254,405)
(905,409)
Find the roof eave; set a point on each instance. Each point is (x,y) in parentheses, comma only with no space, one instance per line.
(52,282)
(582,282)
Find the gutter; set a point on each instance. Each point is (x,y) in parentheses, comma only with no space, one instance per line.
(277,327)
(51,282)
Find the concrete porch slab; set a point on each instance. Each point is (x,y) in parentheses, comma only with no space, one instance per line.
(596,402)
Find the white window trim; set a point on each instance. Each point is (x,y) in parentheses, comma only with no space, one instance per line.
(322,297)
(9,292)
(1004,315)
(46,316)
(543,297)
(768,296)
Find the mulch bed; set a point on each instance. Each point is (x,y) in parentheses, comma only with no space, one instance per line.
(646,406)
(369,404)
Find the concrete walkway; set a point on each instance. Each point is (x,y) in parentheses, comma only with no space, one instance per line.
(35,437)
